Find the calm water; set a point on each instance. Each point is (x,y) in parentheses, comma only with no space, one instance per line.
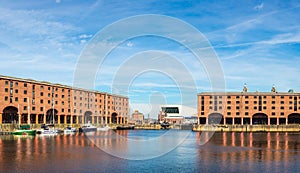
(225,152)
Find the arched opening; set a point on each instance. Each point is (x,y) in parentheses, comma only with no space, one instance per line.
(294,118)
(215,118)
(259,118)
(88,117)
(10,115)
(114,118)
(51,116)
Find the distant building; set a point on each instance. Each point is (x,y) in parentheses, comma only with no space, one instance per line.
(271,108)
(190,120)
(28,101)
(175,114)
(137,117)
(161,116)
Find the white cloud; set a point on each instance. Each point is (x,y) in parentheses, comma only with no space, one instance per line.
(259,7)
(129,44)
(85,36)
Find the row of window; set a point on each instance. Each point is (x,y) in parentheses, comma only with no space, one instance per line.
(246,97)
(56,102)
(49,88)
(247,113)
(56,95)
(254,102)
(255,107)
(6,98)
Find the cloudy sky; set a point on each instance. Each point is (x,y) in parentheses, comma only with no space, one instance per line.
(256,42)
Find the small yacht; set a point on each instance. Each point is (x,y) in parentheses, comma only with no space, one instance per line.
(105,128)
(87,128)
(48,130)
(69,130)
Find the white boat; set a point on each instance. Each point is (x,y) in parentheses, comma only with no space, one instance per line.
(69,130)
(105,128)
(46,130)
(50,128)
(87,128)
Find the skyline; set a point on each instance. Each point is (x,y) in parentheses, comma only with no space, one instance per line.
(257,43)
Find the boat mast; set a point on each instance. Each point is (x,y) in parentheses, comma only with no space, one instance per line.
(19,118)
(28,121)
(53,118)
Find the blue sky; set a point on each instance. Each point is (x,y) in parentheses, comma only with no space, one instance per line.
(257,42)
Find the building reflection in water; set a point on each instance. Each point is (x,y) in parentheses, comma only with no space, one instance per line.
(234,152)
(231,150)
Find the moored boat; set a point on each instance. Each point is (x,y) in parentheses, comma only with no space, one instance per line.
(45,129)
(87,128)
(125,127)
(105,128)
(24,129)
(69,130)
(24,132)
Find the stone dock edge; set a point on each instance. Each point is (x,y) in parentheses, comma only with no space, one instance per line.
(247,128)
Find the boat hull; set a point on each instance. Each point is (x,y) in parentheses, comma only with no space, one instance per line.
(103,129)
(68,131)
(24,132)
(125,127)
(49,132)
(91,129)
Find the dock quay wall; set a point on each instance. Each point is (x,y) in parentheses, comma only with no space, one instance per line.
(148,127)
(4,128)
(248,128)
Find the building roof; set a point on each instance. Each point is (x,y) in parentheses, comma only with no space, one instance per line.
(249,93)
(55,84)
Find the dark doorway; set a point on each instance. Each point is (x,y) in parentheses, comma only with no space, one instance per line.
(246,121)
(114,117)
(282,120)
(237,121)
(202,120)
(259,118)
(273,121)
(228,120)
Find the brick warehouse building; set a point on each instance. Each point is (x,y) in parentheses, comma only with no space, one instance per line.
(35,102)
(270,108)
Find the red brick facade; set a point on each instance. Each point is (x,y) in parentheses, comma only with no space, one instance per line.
(272,108)
(70,105)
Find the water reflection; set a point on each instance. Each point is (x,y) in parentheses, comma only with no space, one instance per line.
(225,152)
(138,145)
(251,151)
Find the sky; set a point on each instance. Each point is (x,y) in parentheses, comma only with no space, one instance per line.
(255,42)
